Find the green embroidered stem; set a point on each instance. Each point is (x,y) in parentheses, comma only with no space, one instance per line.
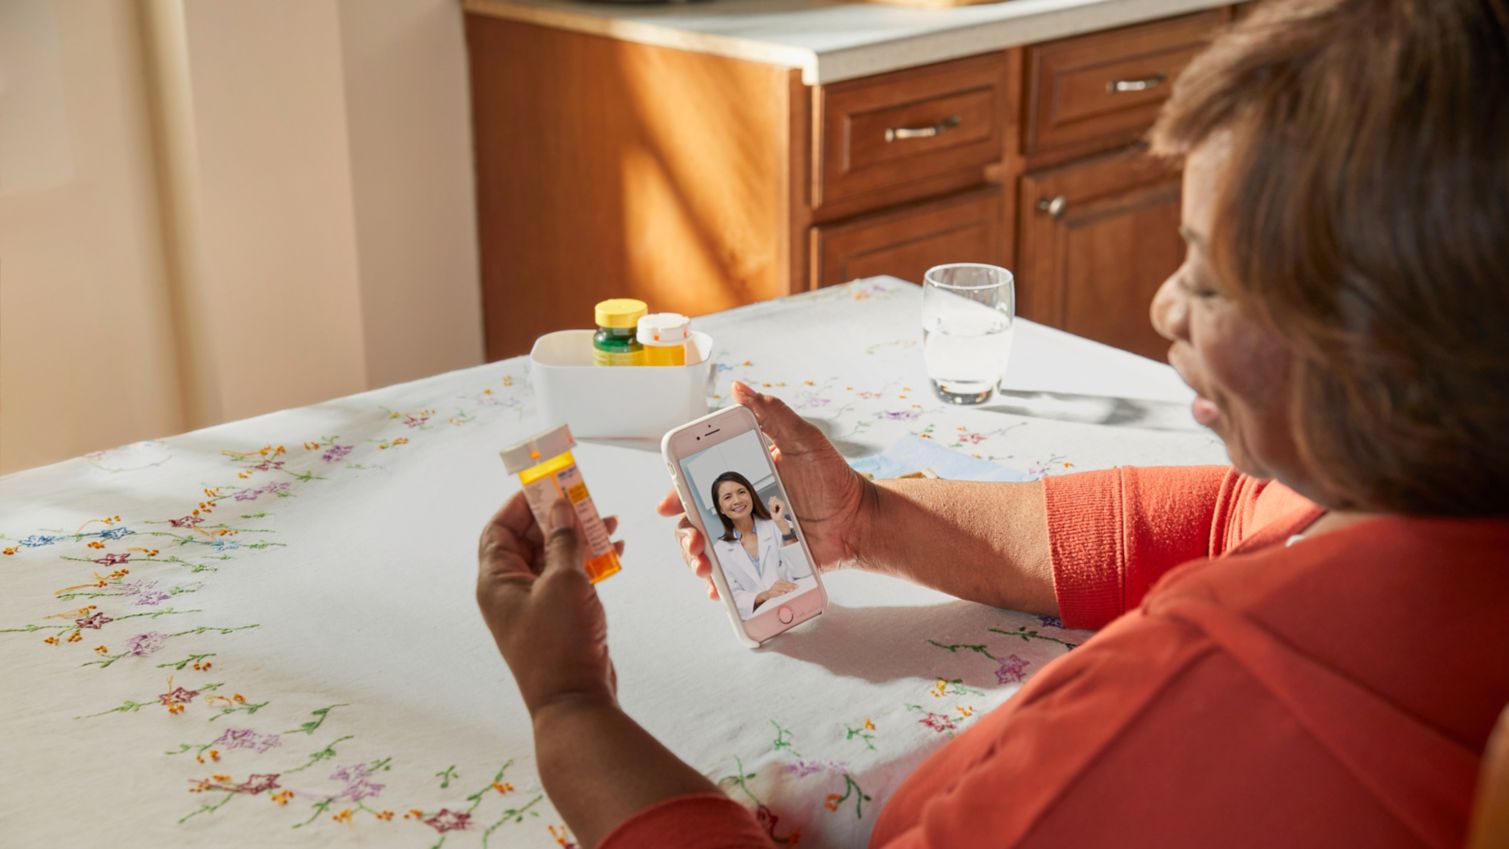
(1028,635)
(319,715)
(974,647)
(179,665)
(781,741)
(516,815)
(738,779)
(446,775)
(207,809)
(324,754)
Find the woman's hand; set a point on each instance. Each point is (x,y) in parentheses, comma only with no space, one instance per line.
(778,515)
(541,608)
(829,496)
(776,589)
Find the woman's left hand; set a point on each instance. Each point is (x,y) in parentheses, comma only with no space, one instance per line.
(777,509)
(542,609)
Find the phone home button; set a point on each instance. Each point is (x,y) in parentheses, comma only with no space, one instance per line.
(785,615)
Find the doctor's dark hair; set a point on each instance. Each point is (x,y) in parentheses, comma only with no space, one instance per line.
(1362,216)
(756,507)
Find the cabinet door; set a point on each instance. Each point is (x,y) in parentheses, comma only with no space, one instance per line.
(907,242)
(1098,238)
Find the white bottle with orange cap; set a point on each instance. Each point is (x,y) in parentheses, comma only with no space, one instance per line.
(665,337)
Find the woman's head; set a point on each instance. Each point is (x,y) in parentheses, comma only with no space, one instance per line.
(736,501)
(1342,308)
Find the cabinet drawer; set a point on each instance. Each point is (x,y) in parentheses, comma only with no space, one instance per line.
(880,132)
(1107,86)
(907,242)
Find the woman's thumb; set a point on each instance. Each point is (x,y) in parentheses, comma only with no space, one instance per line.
(775,418)
(563,544)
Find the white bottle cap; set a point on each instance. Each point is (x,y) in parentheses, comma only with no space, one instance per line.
(536,449)
(664,328)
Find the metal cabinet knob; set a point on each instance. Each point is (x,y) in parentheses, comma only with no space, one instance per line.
(893,134)
(1119,86)
(1054,206)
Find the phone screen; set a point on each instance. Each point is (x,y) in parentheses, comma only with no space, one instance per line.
(752,532)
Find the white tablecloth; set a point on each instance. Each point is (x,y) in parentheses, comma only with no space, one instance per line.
(264,633)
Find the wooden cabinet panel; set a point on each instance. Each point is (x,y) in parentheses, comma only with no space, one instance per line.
(1098,238)
(1106,88)
(876,133)
(907,242)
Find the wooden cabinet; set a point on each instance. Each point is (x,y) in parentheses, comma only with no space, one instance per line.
(1098,238)
(696,182)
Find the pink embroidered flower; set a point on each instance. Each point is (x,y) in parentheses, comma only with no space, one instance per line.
(448,820)
(248,494)
(142,645)
(898,415)
(177,696)
(95,620)
(415,421)
(268,465)
(973,438)
(257,783)
(938,722)
(246,738)
(152,598)
(335,453)
(185,521)
(802,769)
(113,559)
(276,488)
(1012,669)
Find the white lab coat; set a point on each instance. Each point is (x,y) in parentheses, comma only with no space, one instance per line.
(743,581)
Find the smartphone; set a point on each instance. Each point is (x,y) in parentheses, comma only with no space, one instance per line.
(764,572)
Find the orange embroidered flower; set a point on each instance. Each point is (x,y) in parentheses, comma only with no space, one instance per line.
(508,380)
(413,814)
(221,778)
(385,815)
(11,550)
(51,641)
(96,544)
(343,816)
(832,801)
(101,650)
(869,726)
(238,699)
(74,637)
(281,797)
(502,788)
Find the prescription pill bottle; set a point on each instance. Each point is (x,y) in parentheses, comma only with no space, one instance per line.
(545,466)
(615,344)
(664,336)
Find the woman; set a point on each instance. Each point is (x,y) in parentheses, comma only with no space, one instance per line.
(750,547)
(1306,649)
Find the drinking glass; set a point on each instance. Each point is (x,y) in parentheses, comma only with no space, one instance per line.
(968,312)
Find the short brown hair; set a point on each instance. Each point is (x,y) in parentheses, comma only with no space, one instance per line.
(1364,217)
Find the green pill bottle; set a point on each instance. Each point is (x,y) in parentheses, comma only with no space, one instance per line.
(615,343)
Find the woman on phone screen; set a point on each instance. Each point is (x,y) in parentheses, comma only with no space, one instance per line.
(750,546)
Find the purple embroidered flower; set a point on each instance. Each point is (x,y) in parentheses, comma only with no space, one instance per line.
(178,696)
(359,785)
(802,769)
(113,559)
(1012,669)
(1050,621)
(248,494)
(142,645)
(938,722)
(185,521)
(246,738)
(415,421)
(257,783)
(898,415)
(335,453)
(812,399)
(268,465)
(276,488)
(448,820)
(116,533)
(38,540)
(96,620)
(152,598)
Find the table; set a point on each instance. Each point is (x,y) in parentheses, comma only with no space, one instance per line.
(264,633)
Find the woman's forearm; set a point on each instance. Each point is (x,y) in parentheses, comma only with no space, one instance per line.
(985,542)
(600,767)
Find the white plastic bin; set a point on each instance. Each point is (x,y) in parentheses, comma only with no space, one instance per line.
(616,401)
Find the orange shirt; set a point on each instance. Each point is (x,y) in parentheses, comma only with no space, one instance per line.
(1337,691)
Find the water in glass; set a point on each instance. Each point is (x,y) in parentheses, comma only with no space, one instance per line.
(967,318)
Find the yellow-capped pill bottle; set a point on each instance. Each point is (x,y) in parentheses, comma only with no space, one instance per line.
(615,344)
(548,472)
(665,337)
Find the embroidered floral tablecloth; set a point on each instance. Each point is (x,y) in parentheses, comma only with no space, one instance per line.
(264,633)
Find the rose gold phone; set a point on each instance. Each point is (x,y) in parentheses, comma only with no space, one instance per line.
(728,485)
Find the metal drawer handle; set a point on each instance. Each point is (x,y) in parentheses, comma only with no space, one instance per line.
(1055,207)
(900,133)
(1119,86)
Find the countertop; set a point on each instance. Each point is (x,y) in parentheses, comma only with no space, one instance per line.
(837,41)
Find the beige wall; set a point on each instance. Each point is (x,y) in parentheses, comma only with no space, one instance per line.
(267,204)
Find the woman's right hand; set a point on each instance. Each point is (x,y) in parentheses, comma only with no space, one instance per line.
(827,496)
(777,589)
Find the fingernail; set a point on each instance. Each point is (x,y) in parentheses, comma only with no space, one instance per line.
(560,514)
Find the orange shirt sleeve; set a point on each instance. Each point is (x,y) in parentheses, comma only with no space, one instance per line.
(1114,533)
(702,821)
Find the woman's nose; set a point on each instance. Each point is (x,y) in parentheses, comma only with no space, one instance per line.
(1169,311)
